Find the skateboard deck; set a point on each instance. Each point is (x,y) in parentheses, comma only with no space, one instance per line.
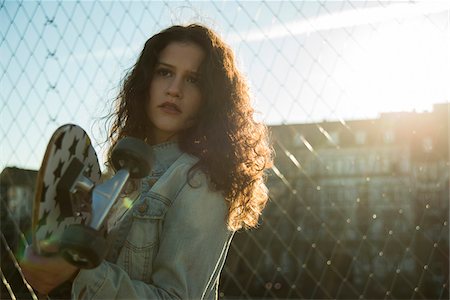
(69,142)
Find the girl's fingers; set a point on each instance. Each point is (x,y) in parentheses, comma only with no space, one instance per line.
(45,273)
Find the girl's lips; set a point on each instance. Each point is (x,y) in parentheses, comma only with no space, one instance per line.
(170,108)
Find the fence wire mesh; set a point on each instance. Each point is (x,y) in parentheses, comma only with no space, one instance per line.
(359,199)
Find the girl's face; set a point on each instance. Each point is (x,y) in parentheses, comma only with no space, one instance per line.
(174,96)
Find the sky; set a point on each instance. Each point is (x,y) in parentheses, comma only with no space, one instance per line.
(305,61)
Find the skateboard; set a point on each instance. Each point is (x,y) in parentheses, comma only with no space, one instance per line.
(71,205)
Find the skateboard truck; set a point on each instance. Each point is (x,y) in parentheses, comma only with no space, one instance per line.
(73,190)
(85,246)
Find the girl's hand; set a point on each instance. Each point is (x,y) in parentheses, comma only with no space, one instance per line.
(46,273)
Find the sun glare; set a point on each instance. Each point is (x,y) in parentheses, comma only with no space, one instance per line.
(357,63)
(402,67)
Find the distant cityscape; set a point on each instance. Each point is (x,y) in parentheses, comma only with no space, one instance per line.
(358,209)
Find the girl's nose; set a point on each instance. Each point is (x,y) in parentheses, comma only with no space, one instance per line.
(175,88)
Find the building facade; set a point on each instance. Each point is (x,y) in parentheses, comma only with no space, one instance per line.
(359,209)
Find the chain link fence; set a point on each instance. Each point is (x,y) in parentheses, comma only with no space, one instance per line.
(359,194)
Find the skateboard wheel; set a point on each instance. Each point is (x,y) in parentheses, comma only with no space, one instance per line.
(83,246)
(132,154)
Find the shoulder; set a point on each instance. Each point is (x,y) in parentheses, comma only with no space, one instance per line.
(180,180)
(195,182)
(192,198)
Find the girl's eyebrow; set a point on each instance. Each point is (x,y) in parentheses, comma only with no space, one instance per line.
(165,64)
(161,63)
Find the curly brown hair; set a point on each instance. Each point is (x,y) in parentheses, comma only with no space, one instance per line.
(233,149)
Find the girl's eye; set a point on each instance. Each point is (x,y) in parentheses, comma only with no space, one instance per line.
(192,79)
(163,72)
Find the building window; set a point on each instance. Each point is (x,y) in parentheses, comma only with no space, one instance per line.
(389,136)
(427,144)
(360,137)
(298,139)
(334,138)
